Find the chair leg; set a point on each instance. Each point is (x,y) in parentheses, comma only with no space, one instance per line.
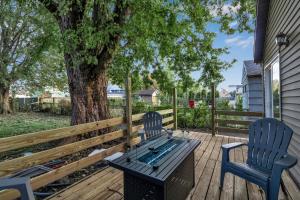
(222,176)
(273,192)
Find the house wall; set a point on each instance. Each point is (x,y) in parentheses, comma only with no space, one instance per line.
(245,90)
(147,99)
(255,94)
(284,16)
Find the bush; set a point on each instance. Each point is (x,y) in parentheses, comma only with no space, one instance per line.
(223,104)
(199,117)
(239,103)
(116,103)
(202,115)
(140,107)
(65,107)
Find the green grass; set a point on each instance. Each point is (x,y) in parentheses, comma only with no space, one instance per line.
(21,123)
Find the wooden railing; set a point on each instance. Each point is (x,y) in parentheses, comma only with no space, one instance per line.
(8,167)
(234,121)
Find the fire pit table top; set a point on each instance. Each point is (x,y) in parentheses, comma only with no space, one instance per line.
(157,159)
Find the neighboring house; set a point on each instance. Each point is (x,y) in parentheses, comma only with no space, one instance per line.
(281,65)
(224,94)
(116,94)
(252,87)
(149,96)
(54,92)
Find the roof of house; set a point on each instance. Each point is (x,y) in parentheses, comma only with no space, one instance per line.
(252,69)
(147,92)
(262,11)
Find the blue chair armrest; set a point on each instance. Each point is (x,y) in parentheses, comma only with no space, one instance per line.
(287,161)
(229,146)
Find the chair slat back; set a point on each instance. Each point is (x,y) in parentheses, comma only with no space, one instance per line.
(152,124)
(268,141)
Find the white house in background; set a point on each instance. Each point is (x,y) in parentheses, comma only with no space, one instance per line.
(54,92)
(224,94)
(116,94)
(252,87)
(149,96)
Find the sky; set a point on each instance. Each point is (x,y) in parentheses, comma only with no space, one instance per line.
(240,47)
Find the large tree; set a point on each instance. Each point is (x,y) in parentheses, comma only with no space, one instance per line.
(100,34)
(23,39)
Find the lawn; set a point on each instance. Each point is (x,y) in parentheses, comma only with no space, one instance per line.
(20,123)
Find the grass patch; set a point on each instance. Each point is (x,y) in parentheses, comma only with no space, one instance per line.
(21,123)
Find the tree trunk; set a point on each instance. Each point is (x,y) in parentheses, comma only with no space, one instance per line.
(87,82)
(4,101)
(88,96)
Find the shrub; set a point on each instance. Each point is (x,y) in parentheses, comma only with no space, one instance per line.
(140,107)
(223,104)
(239,103)
(198,117)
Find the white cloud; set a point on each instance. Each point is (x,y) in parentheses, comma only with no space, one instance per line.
(233,24)
(232,40)
(240,42)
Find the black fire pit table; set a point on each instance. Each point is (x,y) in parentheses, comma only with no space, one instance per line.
(160,169)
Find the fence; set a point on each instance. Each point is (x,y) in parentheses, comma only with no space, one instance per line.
(234,121)
(120,134)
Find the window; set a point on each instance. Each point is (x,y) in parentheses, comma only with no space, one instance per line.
(272,90)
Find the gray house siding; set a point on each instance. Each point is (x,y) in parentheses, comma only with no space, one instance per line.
(284,16)
(255,94)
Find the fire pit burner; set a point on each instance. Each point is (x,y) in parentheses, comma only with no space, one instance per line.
(157,154)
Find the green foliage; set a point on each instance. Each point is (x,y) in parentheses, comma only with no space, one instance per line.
(28,51)
(140,107)
(116,102)
(199,117)
(162,40)
(223,104)
(239,103)
(240,12)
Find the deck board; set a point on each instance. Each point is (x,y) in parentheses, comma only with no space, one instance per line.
(108,183)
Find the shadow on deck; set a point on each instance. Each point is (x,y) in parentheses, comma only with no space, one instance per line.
(108,183)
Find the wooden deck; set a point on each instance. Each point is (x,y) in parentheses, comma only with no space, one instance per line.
(108,183)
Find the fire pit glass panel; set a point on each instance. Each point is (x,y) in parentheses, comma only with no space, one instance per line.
(160,152)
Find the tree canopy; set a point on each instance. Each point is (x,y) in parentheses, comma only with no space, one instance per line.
(24,40)
(163,36)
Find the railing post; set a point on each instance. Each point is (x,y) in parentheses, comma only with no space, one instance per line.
(128,110)
(175,108)
(213,108)
(53,104)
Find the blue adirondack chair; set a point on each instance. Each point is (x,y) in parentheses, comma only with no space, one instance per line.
(267,156)
(153,126)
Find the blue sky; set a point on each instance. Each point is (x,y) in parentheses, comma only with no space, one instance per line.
(240,47)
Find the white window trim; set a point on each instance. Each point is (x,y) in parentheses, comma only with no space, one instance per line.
(269,101)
